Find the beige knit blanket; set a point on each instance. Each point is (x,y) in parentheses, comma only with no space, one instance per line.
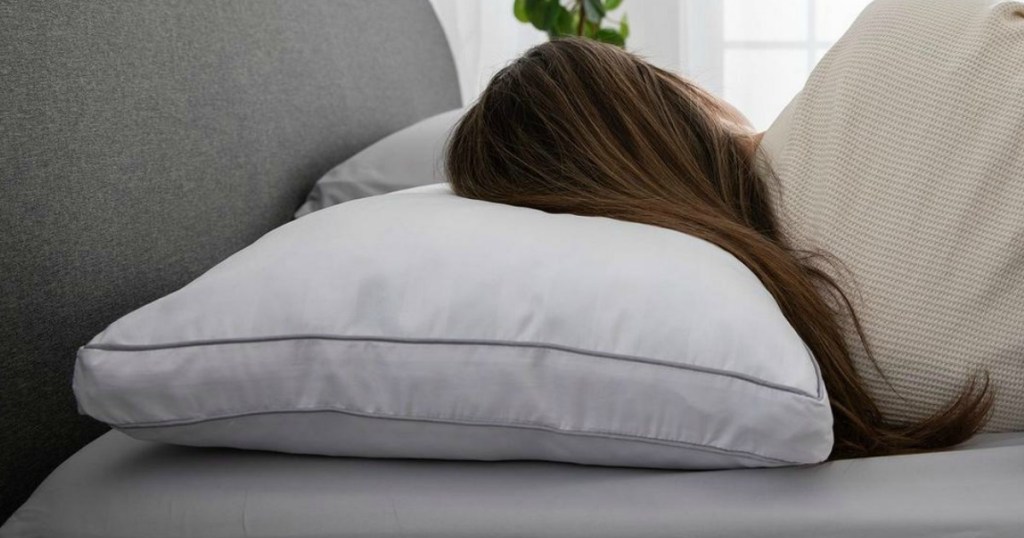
(904,157)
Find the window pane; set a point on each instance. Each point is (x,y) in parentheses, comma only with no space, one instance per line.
(765,20)
(833,17)
(761,82)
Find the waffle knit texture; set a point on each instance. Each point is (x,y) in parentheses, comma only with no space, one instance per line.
(903,157)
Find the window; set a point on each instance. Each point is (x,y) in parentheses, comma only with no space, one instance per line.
(758,53)
(754,53)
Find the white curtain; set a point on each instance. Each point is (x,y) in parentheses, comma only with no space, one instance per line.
(484,35)
(754,53)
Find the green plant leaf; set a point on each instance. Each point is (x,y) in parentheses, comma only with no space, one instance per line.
(611,4)
(519,9)
(551,16)
(607,35)
(624,26)
(593,9)
(575,21)
(536,11)
(566,24)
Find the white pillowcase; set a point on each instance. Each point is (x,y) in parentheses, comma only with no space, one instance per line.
(421,324)
(411,157)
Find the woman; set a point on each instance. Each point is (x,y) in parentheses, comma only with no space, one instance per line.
(578,127)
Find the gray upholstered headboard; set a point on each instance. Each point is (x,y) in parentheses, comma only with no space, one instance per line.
(142,142)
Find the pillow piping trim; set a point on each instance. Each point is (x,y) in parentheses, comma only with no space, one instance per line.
(469,422)
(116,347)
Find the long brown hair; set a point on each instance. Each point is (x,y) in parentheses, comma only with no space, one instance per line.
(574,126)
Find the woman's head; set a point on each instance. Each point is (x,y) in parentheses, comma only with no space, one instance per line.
(577,121)
(574,126)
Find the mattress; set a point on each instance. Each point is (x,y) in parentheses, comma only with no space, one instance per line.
(121,487)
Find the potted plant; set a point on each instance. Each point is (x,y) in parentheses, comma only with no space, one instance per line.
(575,18)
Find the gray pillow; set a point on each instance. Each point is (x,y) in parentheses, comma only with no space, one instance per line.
(407,158)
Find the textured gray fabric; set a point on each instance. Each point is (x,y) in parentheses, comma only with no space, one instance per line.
(120,487)
(141,142)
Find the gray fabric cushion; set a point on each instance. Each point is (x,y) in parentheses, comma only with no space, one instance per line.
(142,142)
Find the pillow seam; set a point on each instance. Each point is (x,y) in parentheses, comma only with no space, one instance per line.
(116,347)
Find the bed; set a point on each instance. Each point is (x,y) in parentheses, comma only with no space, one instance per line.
(121,487)
(144,142)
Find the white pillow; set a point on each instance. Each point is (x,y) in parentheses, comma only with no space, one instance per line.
(411,157)
(421,324)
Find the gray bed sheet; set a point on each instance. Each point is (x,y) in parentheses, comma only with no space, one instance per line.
(121,487)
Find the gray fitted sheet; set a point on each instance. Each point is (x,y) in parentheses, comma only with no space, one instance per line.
(121,487)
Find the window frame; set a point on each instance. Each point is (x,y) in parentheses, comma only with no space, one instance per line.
(702,51)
